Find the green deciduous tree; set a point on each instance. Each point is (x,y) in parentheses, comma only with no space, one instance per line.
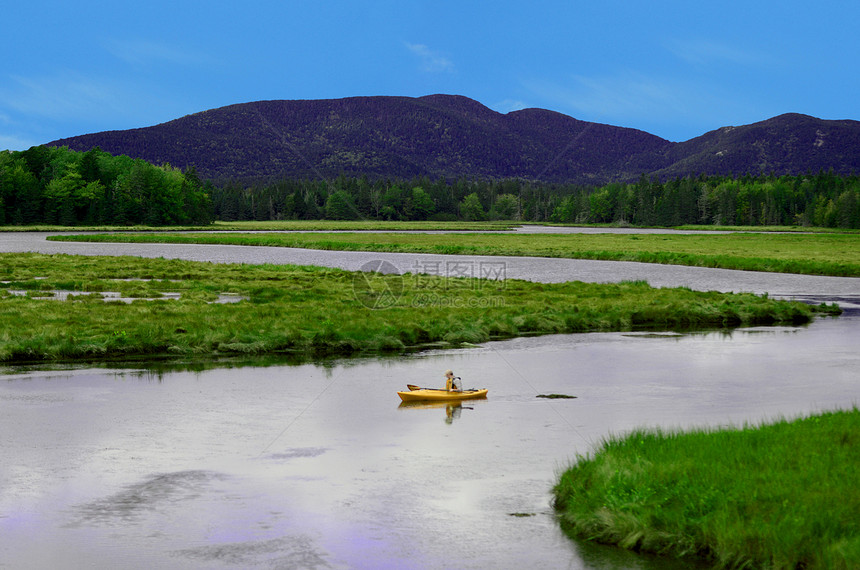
(59,186)
(419,206)
(506,207)
(471,208)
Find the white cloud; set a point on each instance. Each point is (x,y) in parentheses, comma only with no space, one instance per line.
(676,108)
(622,95)
(143,52)
(61,96)
(69,103)
(707,52)
(509,105)
(14,142)
(10,137)
(431,61)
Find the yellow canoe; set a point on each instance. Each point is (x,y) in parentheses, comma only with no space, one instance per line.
(416,394)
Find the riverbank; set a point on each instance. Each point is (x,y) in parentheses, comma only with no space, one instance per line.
(774,496)
(810,254)
(318,311)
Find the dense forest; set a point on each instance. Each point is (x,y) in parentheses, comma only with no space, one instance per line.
(822,199)
(46,185)
(58,186)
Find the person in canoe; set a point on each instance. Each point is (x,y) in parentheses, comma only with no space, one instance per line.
(452,383)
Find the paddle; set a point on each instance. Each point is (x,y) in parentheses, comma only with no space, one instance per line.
(413,387)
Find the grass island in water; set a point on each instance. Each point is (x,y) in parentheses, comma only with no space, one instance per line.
(319,311)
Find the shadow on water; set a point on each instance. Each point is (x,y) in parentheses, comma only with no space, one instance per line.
(158,494)
(156,366)
(157,491)
(301,551)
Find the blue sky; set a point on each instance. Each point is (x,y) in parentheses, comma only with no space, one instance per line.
(675,69)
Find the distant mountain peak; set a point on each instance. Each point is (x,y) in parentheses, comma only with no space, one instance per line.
(451,136)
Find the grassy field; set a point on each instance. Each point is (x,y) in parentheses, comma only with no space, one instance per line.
(790,229)
(378,225)
(782,495)
(317,311)
(814,254)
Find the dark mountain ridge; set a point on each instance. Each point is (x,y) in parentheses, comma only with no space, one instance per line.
(449,136)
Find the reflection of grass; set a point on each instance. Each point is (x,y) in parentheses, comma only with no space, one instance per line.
(777,496)
(314,310)
(815,254)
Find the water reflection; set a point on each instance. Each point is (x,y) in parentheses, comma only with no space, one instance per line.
(452,409)
(603,557)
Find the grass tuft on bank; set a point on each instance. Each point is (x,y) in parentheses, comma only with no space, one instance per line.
(318,311)
(782,495)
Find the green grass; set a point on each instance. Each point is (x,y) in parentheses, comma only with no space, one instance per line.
(789,229)
(816,254)
(716,228)
(782,495)
(379,225)
(317,312)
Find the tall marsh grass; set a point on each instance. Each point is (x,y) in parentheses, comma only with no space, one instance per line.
(317,311)
(782,495)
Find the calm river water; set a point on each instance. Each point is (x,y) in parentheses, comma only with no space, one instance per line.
(318,466)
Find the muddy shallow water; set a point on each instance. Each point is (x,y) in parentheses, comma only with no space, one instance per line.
(318,466)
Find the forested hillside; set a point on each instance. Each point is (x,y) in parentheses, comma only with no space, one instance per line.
(449,137)
(439,136)
(58,186)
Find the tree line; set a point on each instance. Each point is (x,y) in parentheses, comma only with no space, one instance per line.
(346,198)
(59,186)
(45,185)
(822,199)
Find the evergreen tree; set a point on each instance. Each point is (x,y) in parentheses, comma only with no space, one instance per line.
(339,206)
